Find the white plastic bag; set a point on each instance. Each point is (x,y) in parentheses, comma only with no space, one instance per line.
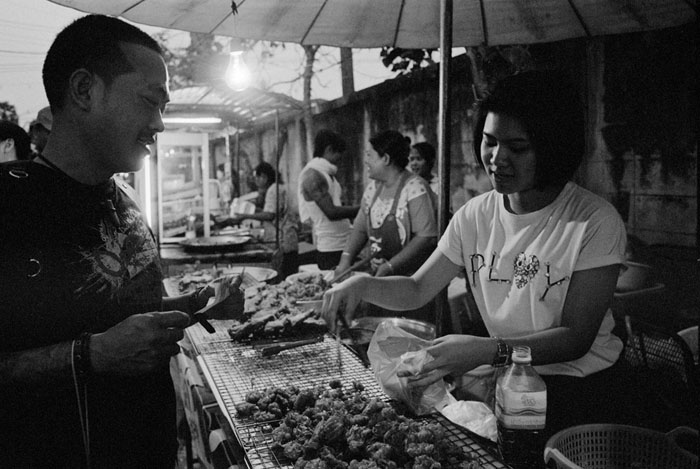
(473,415)
(392,349)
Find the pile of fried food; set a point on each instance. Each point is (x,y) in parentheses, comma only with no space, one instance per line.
(192,280)
(334,428)
(307,286)
(271,312)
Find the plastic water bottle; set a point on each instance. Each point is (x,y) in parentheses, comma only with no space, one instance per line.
(521,409)
(191,229)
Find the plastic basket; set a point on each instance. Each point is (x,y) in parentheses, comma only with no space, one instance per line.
(599,446)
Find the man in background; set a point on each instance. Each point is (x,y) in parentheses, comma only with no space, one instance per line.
(14,142)
(320,200)
(40,128)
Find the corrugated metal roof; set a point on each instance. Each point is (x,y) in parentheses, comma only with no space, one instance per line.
(237,108)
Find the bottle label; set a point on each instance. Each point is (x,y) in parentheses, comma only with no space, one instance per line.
(521,410)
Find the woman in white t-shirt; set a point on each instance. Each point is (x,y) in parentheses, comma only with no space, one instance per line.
(542,256)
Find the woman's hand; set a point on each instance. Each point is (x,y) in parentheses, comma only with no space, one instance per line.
(342,299)
(381,267)
(454,355)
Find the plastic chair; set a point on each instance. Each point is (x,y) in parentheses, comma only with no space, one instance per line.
(664,368)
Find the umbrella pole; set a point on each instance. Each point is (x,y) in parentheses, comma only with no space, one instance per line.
(443,321)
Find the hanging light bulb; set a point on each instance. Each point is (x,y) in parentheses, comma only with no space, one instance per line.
(237,73)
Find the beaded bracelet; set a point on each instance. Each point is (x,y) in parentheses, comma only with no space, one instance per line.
(81,356)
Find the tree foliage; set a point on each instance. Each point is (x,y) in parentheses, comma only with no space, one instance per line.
(8,112)
(406,60)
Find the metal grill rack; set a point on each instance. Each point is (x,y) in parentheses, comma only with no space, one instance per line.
(236,369)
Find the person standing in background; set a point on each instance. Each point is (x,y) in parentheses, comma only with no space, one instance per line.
(319,196)
(421,161)
(40,129)
(14,142)
(276,216)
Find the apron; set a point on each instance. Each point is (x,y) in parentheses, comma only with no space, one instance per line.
(387,238)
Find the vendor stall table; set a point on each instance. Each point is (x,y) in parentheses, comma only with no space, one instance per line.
(248,253)
(233,369)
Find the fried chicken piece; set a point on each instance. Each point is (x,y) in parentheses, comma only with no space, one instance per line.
(419,449)
(363,464)
(425,462)
(304,399)
(335,384)
(292,450)
(254,396)
(246,409)
(357,438)
(262,416)
(282,434)
(326,454)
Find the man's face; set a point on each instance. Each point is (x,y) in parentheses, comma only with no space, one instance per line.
(332,155)
(127,115)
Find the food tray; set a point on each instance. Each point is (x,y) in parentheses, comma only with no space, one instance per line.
(235,369)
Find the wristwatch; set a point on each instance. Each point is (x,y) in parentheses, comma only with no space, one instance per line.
(503,354)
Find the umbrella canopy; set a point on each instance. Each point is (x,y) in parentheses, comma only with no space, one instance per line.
(410,24)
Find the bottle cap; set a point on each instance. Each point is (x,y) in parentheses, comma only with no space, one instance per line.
(521,354)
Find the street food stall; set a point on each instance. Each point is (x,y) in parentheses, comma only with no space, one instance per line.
(191,180)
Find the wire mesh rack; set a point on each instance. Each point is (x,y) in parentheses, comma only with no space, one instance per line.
(237,369)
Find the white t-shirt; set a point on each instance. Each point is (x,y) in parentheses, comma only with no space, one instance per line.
(329,235)
(578,231)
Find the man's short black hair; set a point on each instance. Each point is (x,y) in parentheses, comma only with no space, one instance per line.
(548,107)
(327,138)
(91,42)
(267,170)
(21,138)
(392,143)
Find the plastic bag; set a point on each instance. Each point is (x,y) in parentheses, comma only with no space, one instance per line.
(392,349)
(473,415)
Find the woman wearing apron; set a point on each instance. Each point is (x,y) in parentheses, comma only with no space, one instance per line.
(397,217)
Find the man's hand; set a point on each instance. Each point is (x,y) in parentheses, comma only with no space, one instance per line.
(139,344)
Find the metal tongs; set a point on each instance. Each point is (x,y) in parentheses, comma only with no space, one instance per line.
(355,266)
(274,349)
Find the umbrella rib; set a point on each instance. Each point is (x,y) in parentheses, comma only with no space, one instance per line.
(398,23)
(484,27)
(311,25)
(132,7)
(580,18)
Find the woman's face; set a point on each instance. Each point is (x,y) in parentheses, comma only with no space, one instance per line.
(376,164)
(417,164)
(507,154)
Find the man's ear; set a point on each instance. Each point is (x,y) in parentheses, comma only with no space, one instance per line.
(80,86)
(9,144)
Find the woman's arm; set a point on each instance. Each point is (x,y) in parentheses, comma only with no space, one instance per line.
(588,299)
(417,248)
(396,292)
(358,239)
